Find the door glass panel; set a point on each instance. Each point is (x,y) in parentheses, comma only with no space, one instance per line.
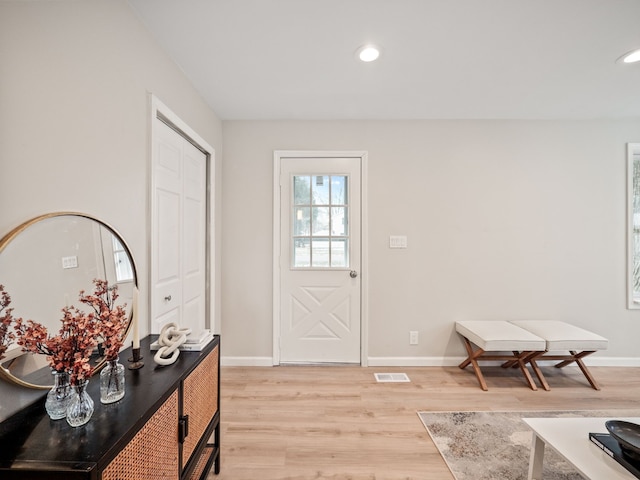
(302,252)
(320,252)
(301,189)
(320,189)
(339,190)
(339,221)
(339,252)
(320,220)
(302,221)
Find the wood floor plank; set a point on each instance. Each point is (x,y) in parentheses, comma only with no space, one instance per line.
(299,423)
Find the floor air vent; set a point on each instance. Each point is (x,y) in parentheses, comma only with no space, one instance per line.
(391,377)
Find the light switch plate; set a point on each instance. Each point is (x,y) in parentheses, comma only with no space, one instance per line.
(398,241)
(70,262)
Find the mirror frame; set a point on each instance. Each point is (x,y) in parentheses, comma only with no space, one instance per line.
(6,240)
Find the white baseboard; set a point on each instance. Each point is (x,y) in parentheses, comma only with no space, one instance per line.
(414,361)
(596,361)
(246,361)
(612,361)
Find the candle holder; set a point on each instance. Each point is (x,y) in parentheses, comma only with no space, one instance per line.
(135,362)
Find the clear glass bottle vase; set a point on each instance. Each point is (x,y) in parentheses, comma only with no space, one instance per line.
(59,396)
(112,381)
(81,405)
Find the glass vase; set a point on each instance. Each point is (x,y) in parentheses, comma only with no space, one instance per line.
(81,405)
(59,396)
(112,381)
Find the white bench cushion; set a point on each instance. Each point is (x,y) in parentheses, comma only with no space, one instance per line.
(499,335)
(563,336)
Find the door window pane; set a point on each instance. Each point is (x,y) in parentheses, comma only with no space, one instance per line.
(301,221)
(339,190)
(320,190)
(339,252)
(302,252)
(339,221)
(301,190)
(320,220)
(320,252)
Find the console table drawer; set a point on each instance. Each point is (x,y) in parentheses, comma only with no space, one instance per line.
(153,452)
(200,402)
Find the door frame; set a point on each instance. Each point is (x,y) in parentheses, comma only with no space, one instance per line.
(278,155)
(159,110)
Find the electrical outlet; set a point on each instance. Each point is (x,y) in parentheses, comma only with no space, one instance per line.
(413,337)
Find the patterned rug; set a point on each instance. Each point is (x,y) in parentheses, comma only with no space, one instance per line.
(497,445)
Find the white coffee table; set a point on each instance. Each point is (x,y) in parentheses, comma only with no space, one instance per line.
(570,438)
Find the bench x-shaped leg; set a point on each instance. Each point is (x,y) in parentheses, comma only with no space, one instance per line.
(529,358)
(520,359)
(576,357)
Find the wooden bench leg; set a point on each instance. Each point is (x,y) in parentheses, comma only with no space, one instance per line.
(511,363)
(577,357)
(537,371)
(523,368)
(520,360)
(471,359)
(574,357)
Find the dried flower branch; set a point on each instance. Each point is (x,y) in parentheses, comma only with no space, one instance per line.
(6,337)
(70,350)
(112,318)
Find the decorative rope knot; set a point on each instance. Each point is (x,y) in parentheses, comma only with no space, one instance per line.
(171,337)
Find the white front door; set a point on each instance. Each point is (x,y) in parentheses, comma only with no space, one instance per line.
(178,246)
(320,234)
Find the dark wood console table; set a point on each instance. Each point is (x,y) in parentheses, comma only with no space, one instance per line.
(167,426)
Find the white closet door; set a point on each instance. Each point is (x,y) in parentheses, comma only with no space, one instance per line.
(194,238)
(178,231)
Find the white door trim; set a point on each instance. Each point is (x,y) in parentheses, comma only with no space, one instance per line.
(160,109)
(364,270)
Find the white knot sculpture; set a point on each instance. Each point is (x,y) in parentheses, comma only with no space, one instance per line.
(171,337)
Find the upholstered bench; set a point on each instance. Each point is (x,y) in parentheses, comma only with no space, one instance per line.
(562,337)
(500,336)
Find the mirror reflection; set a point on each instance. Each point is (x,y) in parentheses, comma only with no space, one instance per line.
(44,264)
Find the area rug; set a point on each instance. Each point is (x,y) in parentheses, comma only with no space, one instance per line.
(497,445)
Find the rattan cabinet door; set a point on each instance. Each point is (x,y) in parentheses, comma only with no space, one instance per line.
(200,401)
(152,454)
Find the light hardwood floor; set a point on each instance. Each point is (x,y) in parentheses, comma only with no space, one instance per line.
(301,423)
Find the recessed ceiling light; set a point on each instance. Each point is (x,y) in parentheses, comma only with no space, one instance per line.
(368,53)
(630,57)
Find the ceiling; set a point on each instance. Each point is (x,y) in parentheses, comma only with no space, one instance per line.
(441,59)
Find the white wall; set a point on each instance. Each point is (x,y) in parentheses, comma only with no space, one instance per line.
(74,116)
(505,220)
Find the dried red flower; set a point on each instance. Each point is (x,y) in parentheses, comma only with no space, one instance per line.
(6,318)
(70,350)
(112,318)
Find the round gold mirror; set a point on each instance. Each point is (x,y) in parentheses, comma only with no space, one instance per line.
(44,264)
